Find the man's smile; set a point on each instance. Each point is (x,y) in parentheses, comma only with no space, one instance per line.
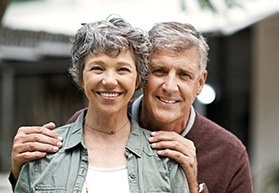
(167,101)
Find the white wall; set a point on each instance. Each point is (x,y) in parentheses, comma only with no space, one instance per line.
(265,100)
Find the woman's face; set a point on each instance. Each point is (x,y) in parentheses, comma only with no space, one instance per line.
(109,82)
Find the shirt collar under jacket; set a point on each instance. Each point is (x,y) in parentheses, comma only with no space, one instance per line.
(135,111)
(75,136)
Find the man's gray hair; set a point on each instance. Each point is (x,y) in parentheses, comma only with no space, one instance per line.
(174,36)
(111,36)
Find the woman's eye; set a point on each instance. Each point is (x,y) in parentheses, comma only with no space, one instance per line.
(96,68)
(123,69)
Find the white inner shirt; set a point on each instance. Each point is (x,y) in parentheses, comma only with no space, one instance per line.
(106,180)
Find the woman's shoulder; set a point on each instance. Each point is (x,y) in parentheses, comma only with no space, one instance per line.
(144,135)
(64,129)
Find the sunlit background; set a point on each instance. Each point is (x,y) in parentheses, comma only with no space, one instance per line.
(241,93)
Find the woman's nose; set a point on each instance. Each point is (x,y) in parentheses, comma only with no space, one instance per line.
(109,79)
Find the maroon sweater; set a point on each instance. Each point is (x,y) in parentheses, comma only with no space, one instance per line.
(223,163)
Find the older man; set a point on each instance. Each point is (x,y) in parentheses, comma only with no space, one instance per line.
(213,159)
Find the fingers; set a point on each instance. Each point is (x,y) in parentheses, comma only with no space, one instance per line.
(50,125)
(28,156)
(174,146)
(36,146)
(173,141)
(37,138)
(46,137)
(44,130)
(184,155)
(34,142)
(19,159)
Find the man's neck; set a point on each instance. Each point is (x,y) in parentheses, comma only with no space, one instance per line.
(148,121)
(155,125)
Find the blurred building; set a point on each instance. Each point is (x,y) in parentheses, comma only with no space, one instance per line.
(243,68)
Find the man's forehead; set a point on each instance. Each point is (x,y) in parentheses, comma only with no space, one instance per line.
(179,60)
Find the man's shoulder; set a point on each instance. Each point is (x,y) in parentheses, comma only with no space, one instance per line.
(205,129)
(75,116)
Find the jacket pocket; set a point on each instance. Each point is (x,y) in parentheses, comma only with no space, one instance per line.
(48,189)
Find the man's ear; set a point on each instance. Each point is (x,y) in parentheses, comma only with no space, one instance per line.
(202,81)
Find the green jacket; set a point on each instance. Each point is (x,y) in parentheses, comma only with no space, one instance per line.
(66,170)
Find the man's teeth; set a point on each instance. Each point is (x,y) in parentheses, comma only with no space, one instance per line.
(167,101)
(109,95)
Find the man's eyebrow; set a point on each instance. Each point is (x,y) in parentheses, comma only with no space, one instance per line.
(157,62)
(158,65)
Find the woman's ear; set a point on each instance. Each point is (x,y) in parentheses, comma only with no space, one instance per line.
(138,86)
(82,83)
(138,82)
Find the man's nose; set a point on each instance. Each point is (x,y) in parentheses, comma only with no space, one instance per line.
(170,84)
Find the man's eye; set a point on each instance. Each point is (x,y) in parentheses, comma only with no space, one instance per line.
(158,72)
(184,75)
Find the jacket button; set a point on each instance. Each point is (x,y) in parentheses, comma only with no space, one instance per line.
(132,175)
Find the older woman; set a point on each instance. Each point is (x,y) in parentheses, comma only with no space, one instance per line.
(104,150)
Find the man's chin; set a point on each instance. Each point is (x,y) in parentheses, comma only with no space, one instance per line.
(165,117)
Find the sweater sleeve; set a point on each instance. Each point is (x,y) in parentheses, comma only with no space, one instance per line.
(242,180)
(75,116)
(12,180)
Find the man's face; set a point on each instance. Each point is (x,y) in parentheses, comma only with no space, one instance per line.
(175,81)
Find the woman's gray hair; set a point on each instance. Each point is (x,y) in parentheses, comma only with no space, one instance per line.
(111,36)
(174,36)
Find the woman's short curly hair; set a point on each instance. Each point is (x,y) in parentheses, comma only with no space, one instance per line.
(111,36)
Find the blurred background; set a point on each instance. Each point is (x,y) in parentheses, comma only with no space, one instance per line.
(242,87)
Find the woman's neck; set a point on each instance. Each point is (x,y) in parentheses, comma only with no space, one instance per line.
(106,149)
(106,122)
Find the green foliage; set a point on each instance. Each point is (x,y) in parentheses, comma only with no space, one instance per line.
(207,4)
(232,3)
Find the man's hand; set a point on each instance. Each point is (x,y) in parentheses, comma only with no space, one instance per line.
(32,143)
(174,146)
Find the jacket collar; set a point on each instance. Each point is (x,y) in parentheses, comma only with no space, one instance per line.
(135,141)
(75,136)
